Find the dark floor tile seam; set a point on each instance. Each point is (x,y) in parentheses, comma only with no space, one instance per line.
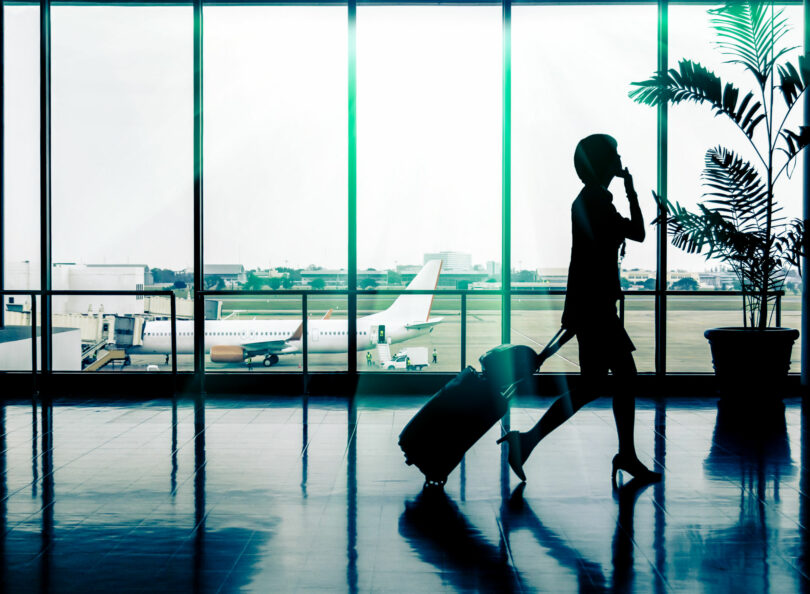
(61,497)
(23,424)
(130,428)
(266,410)
(223,419)
(650,561)
(243,426)
(102,469)
(235,563)
(788,561)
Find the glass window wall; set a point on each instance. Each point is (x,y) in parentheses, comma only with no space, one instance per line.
(571,70)
(277,138)
(20,176)
(121,124)
(693,130)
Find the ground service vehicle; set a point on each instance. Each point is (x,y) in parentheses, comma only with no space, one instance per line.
(410,359)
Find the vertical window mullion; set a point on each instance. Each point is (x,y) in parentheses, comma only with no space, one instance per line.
(199,270)
(45,180)
(661,246)
(506,178)
(352,206)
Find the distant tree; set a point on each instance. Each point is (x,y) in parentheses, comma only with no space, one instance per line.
(649,284)
(162,275)
(624,283)
(253,283)
(318,284)
(286,281)
(274,282)
(462,285)
(368,283)
(293,273)
(394,278)
(179,284)
(214,283)
(685,284)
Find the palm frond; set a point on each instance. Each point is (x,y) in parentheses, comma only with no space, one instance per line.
(707,232)
(749,32)
(795,142)
(693,82)
(793,81)
(791,245)
(736,188)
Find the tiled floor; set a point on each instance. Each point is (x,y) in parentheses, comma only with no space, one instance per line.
(272,496)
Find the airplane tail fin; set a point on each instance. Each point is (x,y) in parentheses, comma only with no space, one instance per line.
(416,308)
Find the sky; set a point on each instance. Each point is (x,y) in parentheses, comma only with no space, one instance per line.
(429,131)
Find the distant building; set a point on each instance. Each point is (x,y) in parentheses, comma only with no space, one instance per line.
(99,277)
(552,278)
(231,274)
(718,280)
(334,277)
(451,261)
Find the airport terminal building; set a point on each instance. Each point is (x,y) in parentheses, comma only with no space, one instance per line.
(274,276)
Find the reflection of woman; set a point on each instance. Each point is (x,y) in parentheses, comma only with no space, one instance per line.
(599,231)
(518,514)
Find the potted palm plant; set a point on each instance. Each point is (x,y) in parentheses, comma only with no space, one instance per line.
(740,222)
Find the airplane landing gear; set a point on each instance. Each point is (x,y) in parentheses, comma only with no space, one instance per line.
(270,360)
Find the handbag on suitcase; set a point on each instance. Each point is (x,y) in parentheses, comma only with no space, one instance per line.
(448,425)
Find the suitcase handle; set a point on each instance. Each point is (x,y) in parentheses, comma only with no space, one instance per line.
(563,335)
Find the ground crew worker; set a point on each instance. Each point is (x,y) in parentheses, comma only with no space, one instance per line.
(435,355)
(407,362)
(369,361)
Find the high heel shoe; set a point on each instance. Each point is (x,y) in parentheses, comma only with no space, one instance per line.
(515,453)
(634,467)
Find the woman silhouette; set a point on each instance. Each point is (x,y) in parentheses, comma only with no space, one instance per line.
(599,232)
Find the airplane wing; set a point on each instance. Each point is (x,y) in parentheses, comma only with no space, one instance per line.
(267,347)
(274,347)
(423,325)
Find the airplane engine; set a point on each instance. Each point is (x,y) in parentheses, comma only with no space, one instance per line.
(227,354)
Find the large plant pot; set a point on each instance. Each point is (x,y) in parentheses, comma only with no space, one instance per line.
(751,364)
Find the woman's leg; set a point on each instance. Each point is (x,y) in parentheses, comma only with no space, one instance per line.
(624,402)
(624,412)
(594,370)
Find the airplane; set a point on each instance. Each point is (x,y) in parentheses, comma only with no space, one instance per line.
(235,341)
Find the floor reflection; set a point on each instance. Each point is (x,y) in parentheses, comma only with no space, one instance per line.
(307,494)
(750,449)
(441,535)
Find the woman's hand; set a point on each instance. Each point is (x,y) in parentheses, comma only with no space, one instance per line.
(628,183)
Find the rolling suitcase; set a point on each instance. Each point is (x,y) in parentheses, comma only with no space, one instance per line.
(448,425)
